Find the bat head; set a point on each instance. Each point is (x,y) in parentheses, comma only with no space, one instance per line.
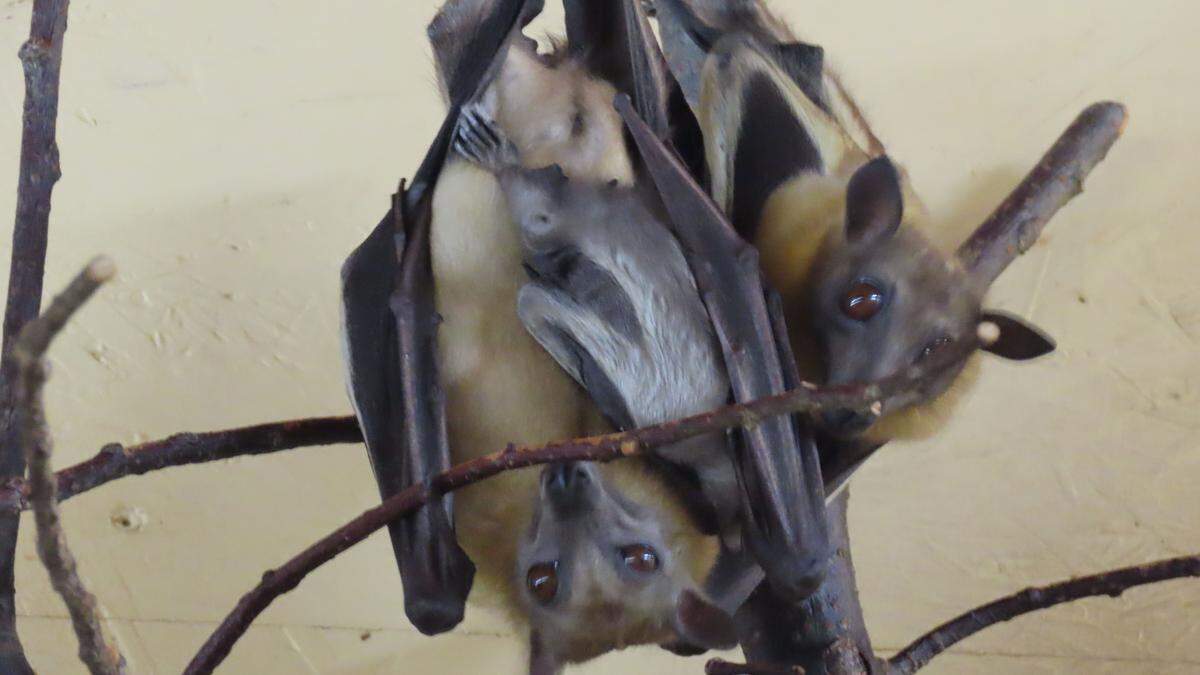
(885,299)
(608,563)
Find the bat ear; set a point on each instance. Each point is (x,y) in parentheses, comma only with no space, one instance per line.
(701,624)
(1018,340)
(874,202)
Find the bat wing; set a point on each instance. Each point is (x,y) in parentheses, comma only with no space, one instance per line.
(783,503)
(617,43)
(761,102)
(691,29)
(389,328)
(615,40)
(582,344)
(592,343)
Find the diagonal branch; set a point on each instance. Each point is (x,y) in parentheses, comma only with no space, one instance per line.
(116,461)
(41,57)
(100,657)
(1112,583)
(806,399)
(1056,179)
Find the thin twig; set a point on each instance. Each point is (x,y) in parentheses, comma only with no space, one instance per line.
(41,58)
(1056,179)
(1112,583)
(722,667)
(116,461)
(100,657)
(806,399)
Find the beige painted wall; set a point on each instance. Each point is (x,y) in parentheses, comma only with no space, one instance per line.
(229,154)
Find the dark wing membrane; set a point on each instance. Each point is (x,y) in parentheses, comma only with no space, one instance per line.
(688,37)
(469,38)
(805,64)
(772,146)
(783,504)
(389,328)
(436,573)
(682,47)
(615,41)
(368,277)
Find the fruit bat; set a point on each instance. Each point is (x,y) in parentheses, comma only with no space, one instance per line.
(869,287)
(584,555)
(778,506)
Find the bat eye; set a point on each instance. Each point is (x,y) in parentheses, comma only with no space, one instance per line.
(542,580)
(934,347)
(862,301)
(640,558)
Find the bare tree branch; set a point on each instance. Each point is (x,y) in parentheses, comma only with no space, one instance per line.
(806,399)
(116,461)
(100,657)
(41,57)
(1113,583)
(1056,179)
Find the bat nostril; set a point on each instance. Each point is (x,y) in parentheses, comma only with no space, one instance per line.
(579,474)
(563,481)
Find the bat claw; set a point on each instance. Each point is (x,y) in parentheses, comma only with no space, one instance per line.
(479,139)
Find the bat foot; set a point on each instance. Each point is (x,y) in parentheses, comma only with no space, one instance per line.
(479,139)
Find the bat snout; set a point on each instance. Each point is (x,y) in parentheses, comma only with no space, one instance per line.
(569,485)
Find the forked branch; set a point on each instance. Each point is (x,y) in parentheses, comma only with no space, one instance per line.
(100,657)
(41,58)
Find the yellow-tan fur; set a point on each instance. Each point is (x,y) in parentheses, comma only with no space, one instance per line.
(607,614)
(501,386)
(805,214)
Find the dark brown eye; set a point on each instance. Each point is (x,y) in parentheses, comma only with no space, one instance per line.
(933,347)
(542,581)
(640,558)
(862,301)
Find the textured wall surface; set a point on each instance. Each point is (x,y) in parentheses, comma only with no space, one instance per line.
(229,154)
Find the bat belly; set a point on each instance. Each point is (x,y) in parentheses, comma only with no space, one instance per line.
(501,386)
